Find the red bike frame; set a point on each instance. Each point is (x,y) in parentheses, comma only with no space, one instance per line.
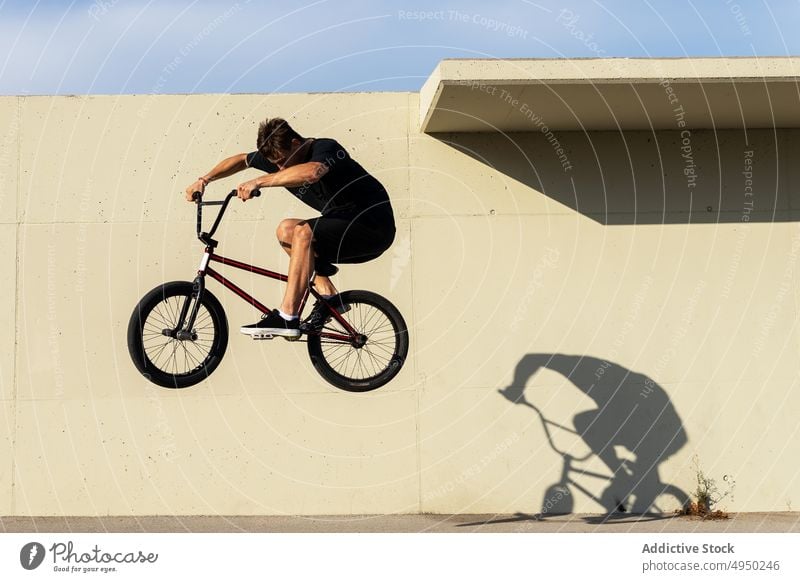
(210,256)
(245,267)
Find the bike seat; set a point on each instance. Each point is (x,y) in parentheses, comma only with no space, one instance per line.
(325,269)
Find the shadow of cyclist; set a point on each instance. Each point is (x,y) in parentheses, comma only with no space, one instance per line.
(632,412)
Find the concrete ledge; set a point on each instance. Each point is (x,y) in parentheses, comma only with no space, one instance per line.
(479,95)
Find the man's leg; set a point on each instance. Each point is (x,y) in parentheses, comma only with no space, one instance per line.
(301,263)
(285,233)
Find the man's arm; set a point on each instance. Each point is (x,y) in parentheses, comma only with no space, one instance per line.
(291,177)
(225,168)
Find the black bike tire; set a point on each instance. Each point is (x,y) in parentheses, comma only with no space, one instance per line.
(136,343)
(394,365)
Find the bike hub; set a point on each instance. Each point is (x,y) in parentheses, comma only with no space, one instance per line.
(179,335)
(360,341)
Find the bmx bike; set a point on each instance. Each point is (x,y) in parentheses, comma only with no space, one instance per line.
(178,332)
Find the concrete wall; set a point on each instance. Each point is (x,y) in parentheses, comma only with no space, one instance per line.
(680,299)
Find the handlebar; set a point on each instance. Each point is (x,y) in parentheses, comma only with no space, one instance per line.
(197,197)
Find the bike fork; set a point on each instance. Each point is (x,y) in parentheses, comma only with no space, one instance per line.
(185,330)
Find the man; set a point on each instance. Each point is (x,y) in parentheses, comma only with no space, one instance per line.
(357,222)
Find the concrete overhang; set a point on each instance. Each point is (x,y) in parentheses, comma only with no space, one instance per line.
(484,95)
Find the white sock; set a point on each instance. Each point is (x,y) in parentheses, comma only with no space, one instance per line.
(287,317)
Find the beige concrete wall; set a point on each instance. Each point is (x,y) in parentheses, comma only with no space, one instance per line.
(558,290)
(505,266)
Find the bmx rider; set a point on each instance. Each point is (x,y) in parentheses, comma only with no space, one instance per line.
(356,223)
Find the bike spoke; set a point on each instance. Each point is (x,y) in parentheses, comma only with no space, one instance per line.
(203,320)
(173,356)
(170,316)
(189,355)
(370,316)
(195,362)
(355,362)
(381,347)
(337,346)
(203,354)
(374,360)
(386,327)
(155,356)
(362,359)
(160,318)
(358,363)
(342,357)
(375,356)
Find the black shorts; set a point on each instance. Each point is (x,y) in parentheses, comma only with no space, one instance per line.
(347,240)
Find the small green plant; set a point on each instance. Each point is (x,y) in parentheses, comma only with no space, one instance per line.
(707,494)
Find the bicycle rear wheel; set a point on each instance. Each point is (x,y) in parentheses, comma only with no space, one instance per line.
(376,359)
(162,358)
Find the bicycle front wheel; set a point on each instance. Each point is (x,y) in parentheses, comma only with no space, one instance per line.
(370,363)
(158,354)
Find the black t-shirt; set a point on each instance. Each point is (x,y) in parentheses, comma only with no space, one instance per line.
(347,190)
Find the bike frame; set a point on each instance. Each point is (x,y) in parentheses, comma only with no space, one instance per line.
(210,256)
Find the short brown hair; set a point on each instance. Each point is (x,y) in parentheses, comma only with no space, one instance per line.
(275,137)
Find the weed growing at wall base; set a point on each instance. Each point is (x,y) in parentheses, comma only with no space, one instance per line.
(707,494)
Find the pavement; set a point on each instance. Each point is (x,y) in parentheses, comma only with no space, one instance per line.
(775,522)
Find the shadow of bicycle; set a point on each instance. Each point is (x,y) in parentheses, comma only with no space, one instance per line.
(633,429)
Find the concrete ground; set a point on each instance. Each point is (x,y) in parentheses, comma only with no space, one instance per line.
(781,522)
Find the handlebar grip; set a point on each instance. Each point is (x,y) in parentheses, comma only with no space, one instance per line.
(255,193)
(196,196)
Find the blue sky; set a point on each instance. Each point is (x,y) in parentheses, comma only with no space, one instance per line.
(252,46)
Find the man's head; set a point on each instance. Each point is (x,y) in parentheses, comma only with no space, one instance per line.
(279,143)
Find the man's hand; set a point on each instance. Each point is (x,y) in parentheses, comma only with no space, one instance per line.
(198,186)
(245,190)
